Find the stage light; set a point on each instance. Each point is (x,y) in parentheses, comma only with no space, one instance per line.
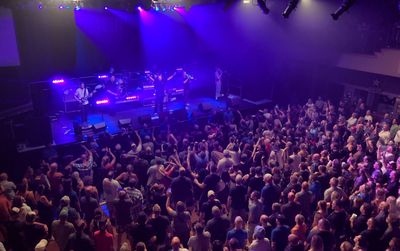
(106,8)
(77,8)
(135,97)
(291,6)
(61,7)
(58,81)
(346,4)
(102,102)
(102,76)
(246,1)
(40,6)
(263,6)
(139,8)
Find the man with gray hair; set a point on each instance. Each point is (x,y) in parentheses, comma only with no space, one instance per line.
(238,233)
(269,194)
(218,226)
(237,199)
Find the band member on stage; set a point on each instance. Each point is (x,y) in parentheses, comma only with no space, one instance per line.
(186,79)
(159,86)
(82,95)
(218,82)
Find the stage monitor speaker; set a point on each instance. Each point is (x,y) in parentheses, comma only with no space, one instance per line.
(38,131)
(100,126)
(205,107)
(124,123)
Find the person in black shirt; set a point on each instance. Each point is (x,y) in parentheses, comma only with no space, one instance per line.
(337,218)
(160,225)
(140,231)
(181,188)
(291,209)
(218,226)
(256,183)
(269,194)
(33,231)
(324,232)
(206,208)
(210,183)
(80,241)
(237,200)
(371,236)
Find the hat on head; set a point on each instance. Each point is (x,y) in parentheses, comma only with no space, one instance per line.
(66,199)
(259,232)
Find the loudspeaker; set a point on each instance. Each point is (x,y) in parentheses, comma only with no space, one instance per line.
(99,126)
(205,107)
(38,131)
(125,122)
(41,98)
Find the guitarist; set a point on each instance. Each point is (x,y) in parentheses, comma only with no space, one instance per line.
(82,95)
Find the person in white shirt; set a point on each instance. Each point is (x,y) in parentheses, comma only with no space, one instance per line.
(352,120)
(368,116)
(260,243)
(82,96)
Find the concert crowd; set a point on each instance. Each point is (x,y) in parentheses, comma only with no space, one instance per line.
(318,176)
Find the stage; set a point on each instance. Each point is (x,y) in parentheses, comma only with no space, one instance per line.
(63,124)
(63,130)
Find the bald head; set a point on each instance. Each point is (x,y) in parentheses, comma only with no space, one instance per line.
(268,178)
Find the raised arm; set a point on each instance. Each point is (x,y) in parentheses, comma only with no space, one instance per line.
(140,145)
(170,210)
(114,159)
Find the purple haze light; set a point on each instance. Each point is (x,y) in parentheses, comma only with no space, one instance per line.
(106,8)
(102,102)
(58,81)
(140,8)
(102,76)
(61,7)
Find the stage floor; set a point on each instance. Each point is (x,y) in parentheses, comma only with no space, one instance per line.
(63,124)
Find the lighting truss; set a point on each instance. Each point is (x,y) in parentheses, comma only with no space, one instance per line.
(164,5)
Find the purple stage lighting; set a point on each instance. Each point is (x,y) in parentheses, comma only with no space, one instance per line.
(148,87)
(106,8)
(102,102)
(139,8)
(40,6)
(102,76)
(135,97)
(61,7)
(58,81)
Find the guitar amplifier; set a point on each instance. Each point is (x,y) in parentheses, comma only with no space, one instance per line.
(70,104)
